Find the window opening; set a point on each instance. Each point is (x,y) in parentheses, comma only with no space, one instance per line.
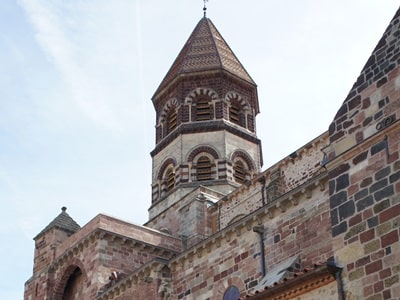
(74,287)
(170,176)
(239,172)
(204,168)
(202,110)
(234,113)
(172,120)
(232,293)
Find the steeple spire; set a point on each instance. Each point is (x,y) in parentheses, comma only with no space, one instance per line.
(205,50)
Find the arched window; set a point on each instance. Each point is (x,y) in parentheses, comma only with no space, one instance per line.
(234,113)
(171,120)
(170,179)
(168,119)
(239,171)
(203,109)
(166,180)
(238,109)
(203,160)
(201,101)
(232,293)
(74,287)
(204,168)
(242,166)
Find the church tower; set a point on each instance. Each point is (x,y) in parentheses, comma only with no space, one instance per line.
(206,109)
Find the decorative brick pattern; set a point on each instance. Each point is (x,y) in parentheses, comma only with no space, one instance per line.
(205,50)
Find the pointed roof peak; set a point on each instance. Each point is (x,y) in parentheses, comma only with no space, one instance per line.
(63,222)
(205,50)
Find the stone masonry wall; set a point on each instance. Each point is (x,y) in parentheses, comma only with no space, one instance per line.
(222,142)
(100,247)
(189,216)
(143,290)
(373,103)
(205,271)
(303,164)
(149,282)
(37,287)
(364,175)
(96,260)
(239,203)
(45,247)
(284,177)
(56,280)
(365,205)
(120,227)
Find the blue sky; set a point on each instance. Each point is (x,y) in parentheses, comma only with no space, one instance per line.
(77,76)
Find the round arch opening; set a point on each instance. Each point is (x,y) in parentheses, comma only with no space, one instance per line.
(231,293)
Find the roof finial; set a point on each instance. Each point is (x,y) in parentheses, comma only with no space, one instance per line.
(205,8)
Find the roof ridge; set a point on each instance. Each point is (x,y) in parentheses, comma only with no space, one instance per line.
(230,50)
(213,38)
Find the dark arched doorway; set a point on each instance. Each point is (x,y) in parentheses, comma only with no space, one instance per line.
(74,287)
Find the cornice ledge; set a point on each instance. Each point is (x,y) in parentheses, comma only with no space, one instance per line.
(104,234)
(211,72)
(142,274)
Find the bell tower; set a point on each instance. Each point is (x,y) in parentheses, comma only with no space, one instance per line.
(206,109)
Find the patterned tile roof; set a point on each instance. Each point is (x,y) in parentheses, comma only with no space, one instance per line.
(63,221)
(205,50)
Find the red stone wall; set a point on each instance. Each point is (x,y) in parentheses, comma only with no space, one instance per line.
(365,206)
(45,246)
(373,102)
(364,175)
(305,163)
(123,228)
(140,291)
(96,260)
(37,288)
(102,246)
(287,175)
(302,231)
(189,217)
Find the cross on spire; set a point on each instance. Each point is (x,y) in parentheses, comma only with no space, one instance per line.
(205,7)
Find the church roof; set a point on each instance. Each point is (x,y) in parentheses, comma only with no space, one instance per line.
(296,283)
(205,50)
(63,221)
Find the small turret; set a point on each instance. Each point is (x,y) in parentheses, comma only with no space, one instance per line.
(58,230)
